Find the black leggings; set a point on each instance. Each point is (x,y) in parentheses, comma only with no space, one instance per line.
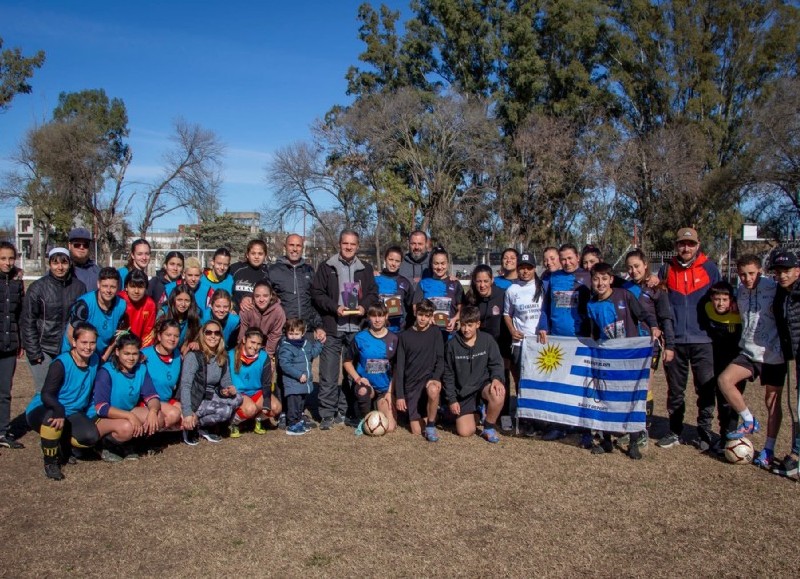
(78,426)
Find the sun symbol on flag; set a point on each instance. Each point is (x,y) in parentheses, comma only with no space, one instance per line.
(549,358)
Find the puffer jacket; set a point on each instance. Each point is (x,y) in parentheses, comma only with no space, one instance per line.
(292,284)
(687,289)
(787,317)
(45,313)
(12,291)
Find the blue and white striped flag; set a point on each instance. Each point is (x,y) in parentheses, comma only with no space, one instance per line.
(580,382)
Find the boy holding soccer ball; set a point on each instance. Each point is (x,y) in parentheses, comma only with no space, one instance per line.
(369,362)
(473,372)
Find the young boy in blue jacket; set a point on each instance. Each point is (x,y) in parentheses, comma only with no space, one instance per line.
(295,354)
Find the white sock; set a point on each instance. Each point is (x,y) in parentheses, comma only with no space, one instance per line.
(769,444)
(746,415)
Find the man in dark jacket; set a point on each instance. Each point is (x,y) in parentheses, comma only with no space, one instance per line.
(83,267)
(415,263)
(688,277)
(45,313)
(342,290)
(291,279)
(787,317)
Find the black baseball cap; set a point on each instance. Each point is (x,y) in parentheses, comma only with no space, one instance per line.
(80,233)
(526,259)
(785,259)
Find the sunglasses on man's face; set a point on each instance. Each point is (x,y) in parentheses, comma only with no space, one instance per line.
(81,244)
(212,333)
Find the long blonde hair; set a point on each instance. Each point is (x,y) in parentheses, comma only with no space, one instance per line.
(218,353)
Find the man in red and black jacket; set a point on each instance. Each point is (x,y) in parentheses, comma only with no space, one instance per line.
(688,277)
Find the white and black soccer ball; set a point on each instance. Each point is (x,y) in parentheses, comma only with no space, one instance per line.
(739,451)
(375,423)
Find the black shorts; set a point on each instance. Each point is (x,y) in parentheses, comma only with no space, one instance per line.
(417,401)
(469,405)
(516,356)
(770,374)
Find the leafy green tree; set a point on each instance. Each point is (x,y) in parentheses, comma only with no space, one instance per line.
(221,231)
(15,70)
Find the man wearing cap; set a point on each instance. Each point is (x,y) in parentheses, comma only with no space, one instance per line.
(45,311)
(688,277)
(787,317)
(84,267)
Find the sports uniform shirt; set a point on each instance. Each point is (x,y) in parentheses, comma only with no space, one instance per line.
(524,307)
(208,285)
(86,309)
(141,317)
(67,388)
(252,377)
(394,291)
(760,339)
(373,357)
(420,357)
(164,371)
(114,388)
(564,305)
(618,315)
(503,283)
(444,293)
(491,310)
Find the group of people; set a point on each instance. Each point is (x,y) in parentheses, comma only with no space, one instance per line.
(118,356)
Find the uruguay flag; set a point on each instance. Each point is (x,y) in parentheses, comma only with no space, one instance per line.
(580,382)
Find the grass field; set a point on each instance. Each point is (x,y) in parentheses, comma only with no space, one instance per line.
(331,504)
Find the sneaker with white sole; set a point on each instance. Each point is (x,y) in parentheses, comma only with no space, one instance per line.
(669,441)
(296,429)
(430,434)
(209,436)
(190,437)
(764,459)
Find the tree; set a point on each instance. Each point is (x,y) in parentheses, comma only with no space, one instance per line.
(191,176)
(774,172)
(15,70)
(221,231)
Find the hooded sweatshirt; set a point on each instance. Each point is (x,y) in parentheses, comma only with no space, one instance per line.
(468,369)
(270,322)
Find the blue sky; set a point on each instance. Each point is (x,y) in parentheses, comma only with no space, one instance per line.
(257,74)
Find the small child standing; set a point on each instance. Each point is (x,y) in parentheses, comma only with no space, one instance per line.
(616,313)
(474,371)
(725,330)
(295,354)
(369,362)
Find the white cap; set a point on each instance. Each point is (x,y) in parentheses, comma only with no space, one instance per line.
(56,251)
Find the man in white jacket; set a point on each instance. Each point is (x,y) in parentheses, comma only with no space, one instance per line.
(760,355)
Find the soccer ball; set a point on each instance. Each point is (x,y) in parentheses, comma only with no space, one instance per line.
(739,451)
(375,423)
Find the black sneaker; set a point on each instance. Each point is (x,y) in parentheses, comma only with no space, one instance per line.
(788,467)
(53,471)
(668,441)
(309,423)
(339,419)
(352,422)
(8,441)
(282,421)
(209,436)
(327,423)
(190,437)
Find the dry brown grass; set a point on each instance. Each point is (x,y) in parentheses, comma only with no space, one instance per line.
(331,504)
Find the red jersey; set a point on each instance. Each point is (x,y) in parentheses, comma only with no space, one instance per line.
(141,318)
